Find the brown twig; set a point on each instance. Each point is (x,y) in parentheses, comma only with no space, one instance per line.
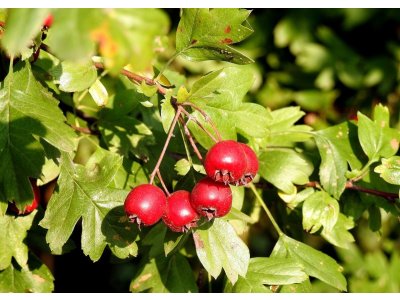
(190,117)
(351,186)
(190,138)
(206,118)
(136,78)
(170,134)
(162,182)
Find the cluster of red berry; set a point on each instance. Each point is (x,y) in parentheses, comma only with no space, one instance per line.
(227,162)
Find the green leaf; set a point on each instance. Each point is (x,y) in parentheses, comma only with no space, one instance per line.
(204,34)
(335,145)
(33,278)
(28,112)
(314,262)
(82,192)
(99,93)
(282,129)
(74,76)
(167,113)
(284,168)
(23,24)
(75,26)
(218,246)
(320,209)
(123,133)
(389,170)
(13,231)
(376,138)
(339,235)
(220,95)
(129,36)
(162,275)
(268,271)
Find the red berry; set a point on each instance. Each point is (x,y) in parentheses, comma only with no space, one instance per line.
(48,21)
(34,204)
(225,162)
(251,164)
(179,215)
(211,199)
(145,204)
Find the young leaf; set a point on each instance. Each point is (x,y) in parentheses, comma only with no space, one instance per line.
(163,275)
(218,246)
(35,277)
(389,170)
(220,95)
(336,149)
(13,231)
(205,34)
(99,93)
(339,235)
(284,168)
(268,271)
(74,76)
(320,209)
(376,138)
(28,112)
(82,192)
(313,262)
(22,26)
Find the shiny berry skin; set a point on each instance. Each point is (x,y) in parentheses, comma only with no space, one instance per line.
(211,199)
(225,162)
(145,204)
(179,215)
(48,21)
(251,165)
(34,204)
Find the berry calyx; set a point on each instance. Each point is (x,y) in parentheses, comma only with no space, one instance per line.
(211,199)
(251,165)
(179,215)
(145,204)
(34,204)
(48,21)
(225,162)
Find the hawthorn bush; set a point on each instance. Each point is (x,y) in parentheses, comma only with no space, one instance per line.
(108,121)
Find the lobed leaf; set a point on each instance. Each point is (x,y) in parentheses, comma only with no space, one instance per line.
(284,168)
(204,34)
(389,170)
(320,209)
(27,112)
(13,231)
(268,271)
(82,193)
(35,277)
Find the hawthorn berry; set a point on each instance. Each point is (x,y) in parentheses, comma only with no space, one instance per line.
(225,162)
(251,165)
(48,21)
(211,199)
(145,204)
(179,215)
(34,204)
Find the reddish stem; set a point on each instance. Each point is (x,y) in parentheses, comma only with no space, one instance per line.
(350,186)
(162,182)
(190,117)
(190,138)
(136,78)
(206,118)
(170,134)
